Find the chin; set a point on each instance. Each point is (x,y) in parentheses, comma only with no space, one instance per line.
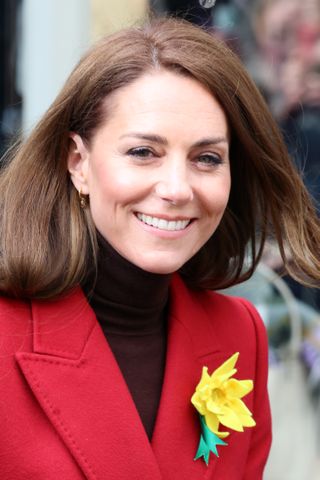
(161,268)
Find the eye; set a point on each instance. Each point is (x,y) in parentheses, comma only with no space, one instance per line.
(141,152)
(209,160)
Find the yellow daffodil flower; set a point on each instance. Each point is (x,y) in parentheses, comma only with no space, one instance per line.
(218,398)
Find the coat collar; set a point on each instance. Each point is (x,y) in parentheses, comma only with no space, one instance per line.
(77,381)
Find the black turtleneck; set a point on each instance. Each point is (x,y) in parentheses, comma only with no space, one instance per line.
(131,307)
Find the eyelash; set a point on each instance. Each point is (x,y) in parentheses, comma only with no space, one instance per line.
(210,159)
(141,152)
(206,160)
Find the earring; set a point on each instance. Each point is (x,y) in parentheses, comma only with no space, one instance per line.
(83,200)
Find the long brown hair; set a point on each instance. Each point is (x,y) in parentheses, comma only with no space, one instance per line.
(48,243)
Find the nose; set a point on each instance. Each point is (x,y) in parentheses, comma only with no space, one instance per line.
(174,185)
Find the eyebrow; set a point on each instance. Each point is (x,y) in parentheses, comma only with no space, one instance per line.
(163,141)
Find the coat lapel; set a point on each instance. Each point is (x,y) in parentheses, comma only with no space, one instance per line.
(77,382)
(191,345)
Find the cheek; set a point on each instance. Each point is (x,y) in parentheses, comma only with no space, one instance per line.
(113,194)
(217,198)
(111,182)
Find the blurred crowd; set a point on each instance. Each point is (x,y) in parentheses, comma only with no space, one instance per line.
(287,68)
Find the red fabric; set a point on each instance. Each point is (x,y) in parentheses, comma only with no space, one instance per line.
(66,412)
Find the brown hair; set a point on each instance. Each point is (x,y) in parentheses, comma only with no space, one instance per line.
(47,241)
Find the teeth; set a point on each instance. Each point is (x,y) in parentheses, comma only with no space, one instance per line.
(163,224)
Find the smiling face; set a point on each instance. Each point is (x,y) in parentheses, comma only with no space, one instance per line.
(157,171)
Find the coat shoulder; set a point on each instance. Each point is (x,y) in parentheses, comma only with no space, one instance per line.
(236,319)
(15,334)
(15,315)
(216,321)
(225,312)
(234,310)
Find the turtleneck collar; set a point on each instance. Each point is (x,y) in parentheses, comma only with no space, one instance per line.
(126,299)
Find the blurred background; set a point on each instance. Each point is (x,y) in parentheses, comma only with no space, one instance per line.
(279,42)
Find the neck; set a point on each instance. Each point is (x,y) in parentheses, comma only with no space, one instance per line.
(126,297)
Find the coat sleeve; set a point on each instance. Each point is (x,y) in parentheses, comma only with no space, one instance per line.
(261,434)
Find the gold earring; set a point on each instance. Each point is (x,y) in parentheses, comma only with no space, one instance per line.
(83,200)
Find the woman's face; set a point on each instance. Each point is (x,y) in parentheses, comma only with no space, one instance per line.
(157,171)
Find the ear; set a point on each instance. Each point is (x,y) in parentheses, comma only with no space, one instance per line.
(78,162)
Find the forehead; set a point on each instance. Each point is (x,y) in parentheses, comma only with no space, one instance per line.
(167,97)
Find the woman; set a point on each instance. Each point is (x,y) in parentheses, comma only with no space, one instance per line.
(141,188)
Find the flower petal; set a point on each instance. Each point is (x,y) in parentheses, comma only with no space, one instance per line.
(213,407)
(213,425)
(212,421)
(222,434)
(205,379)
(217,381)
(226,370)
(238,388)
(198,403)
(247,421)
(239,407)
(231,420)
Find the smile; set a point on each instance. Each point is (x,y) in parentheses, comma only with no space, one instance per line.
(162,224)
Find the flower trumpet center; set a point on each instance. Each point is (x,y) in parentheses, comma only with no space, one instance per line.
(218,396)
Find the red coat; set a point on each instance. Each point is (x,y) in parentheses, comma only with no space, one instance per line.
(66,412)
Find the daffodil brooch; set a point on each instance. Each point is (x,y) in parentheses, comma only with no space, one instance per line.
(218,400)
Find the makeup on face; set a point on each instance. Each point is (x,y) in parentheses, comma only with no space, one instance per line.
(157,171)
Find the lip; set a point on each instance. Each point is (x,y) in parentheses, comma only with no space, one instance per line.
(165,233)
(163,216)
